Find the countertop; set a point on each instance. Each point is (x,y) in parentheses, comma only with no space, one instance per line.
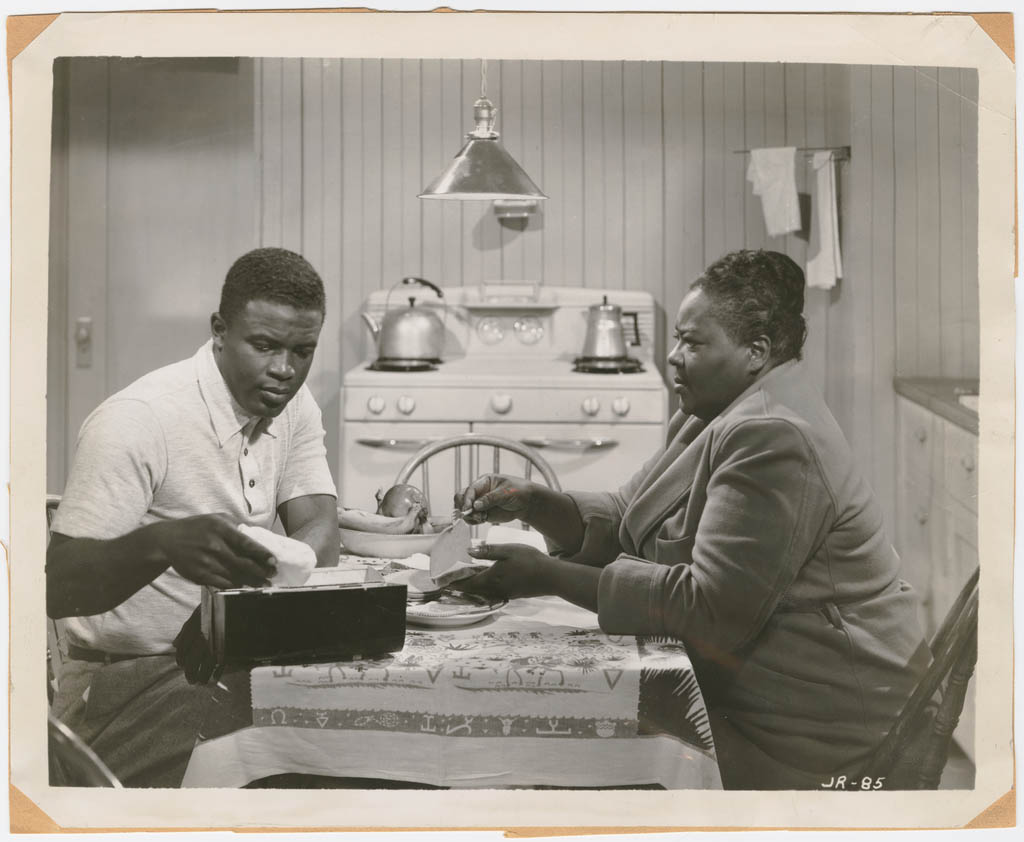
(939,394)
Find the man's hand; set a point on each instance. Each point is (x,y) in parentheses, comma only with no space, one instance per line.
(495,499)
(519,570)
(209,550)
(192,652)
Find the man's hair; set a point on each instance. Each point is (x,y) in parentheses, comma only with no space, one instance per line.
(271,274)
(758,293)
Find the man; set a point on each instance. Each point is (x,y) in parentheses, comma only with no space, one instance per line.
(164,472)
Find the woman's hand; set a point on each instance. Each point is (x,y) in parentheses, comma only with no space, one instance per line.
(519,570)
(496,499)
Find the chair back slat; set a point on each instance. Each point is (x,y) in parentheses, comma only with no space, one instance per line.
(936,750)
(457,480)
(55,642)
(940,640)
(425,487)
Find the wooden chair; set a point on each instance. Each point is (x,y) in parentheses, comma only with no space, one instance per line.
(469,461)
(72,762)
(55,653)
(914,753)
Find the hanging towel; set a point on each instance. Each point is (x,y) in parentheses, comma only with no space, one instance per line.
(824,262)
(773,174)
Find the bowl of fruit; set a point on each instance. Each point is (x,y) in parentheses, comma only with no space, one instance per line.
(399,527)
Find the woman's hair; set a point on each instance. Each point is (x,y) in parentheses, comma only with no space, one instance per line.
(271,274)
(758,293)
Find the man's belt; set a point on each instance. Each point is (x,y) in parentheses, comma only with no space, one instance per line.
(81,653)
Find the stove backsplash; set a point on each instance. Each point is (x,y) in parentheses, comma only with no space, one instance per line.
(509,318)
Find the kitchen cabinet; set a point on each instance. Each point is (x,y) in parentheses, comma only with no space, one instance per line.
(937,518)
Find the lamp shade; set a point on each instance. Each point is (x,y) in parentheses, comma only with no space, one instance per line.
(482,170)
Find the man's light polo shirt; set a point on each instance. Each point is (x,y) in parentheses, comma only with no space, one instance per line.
(174,444)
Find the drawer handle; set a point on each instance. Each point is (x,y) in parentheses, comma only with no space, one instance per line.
(921,434)
(968,463)
(396,444)
(570,444)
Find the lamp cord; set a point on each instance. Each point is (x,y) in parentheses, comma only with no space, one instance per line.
(483,78)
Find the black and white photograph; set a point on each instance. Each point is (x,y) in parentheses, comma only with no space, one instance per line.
(426,412)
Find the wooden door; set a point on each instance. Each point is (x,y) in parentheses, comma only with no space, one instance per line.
(154,197)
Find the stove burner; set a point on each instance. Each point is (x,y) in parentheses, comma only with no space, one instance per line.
(607,365)
(386,364)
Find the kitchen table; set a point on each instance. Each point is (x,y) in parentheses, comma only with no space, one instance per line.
(535,695)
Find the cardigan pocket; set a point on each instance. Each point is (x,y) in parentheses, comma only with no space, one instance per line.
(674,551)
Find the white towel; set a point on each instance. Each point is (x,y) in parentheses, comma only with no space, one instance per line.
(295,560)
(773,175)
(824,261)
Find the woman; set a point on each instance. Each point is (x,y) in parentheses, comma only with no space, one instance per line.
(751,536)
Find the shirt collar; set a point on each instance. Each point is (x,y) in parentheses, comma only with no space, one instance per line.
(226,414)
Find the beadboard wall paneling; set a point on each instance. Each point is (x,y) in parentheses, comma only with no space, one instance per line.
(638,158)
(910,290)
(645,186)
(640,161)
(934,122)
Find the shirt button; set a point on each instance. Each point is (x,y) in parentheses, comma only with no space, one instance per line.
(252,483)
(245,451)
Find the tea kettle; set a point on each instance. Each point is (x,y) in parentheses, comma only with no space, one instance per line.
(604,347)
(605,338)
(407,337)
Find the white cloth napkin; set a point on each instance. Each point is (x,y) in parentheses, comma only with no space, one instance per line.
(824,261)
(295,559)
(773,175)
(499,534)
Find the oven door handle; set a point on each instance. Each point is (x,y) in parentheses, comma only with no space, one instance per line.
(396,444)
(593,443)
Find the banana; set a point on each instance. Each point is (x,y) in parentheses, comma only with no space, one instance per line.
(362,521)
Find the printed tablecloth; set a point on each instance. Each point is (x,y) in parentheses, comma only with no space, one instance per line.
(536,695)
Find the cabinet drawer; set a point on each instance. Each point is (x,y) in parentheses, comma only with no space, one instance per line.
(962,466)
(916,445)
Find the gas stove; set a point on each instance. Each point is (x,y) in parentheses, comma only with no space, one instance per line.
(508,370)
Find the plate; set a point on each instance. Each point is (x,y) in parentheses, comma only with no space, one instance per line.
(418,583)
(450,611)
(382,545)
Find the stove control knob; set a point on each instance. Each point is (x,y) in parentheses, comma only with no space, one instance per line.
(591,406)
(375,404)
(620,406)
(406,405)
(501,403)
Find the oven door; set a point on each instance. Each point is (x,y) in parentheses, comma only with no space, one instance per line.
(373,452)
(597,457)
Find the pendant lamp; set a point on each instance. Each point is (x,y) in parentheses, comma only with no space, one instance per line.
(483,170)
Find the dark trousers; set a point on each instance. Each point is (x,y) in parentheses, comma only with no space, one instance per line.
(139,715)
